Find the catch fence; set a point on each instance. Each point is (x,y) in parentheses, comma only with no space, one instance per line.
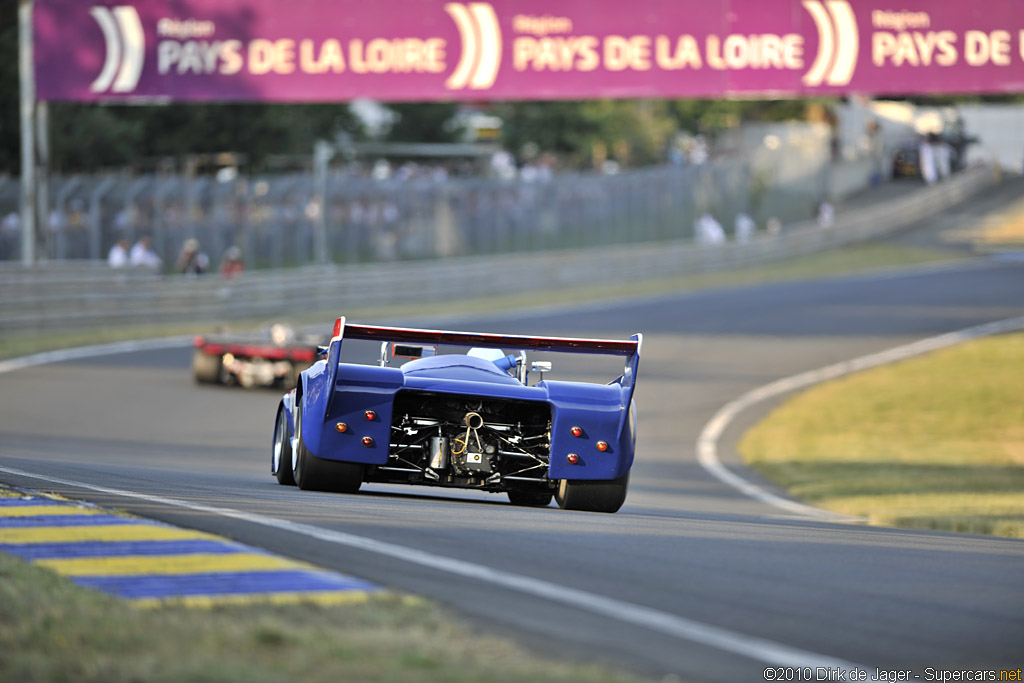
(68,295)
(283,221)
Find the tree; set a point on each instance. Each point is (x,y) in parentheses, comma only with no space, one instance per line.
(710,117)
(86,137)
(10,122)
(424,122)
(582,132)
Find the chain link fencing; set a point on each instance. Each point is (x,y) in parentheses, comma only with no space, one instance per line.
(282,220)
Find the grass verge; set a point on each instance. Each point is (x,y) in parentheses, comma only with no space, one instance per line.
(51,630)
(848,260)
(935,442)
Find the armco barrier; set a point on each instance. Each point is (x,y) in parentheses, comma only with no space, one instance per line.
(65,296)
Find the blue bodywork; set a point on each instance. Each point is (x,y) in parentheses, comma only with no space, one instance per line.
(581,414)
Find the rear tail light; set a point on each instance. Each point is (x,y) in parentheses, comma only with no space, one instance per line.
(572,458)
(341,427)
(602,446)
(577,431)
(370,415)
(367,441)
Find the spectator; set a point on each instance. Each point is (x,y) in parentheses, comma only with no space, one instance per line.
(142,254)
(826,215)
(11,223)
(699,153)
(708,231)
(926,159)
(232,263)
(744,227)
(118,255)
(943,158)
(191,261)
(10,231)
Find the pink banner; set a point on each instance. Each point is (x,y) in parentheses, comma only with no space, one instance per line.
(418,50)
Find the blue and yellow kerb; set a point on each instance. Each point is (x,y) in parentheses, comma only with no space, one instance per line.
(152,564)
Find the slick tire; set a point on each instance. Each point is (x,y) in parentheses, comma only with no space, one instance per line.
(592,496)
(206,368)
(281,462)
(316,474)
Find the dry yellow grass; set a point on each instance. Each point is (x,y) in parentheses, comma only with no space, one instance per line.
(934,442)
(1001,230)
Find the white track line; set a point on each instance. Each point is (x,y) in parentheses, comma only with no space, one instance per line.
(707,442)
(758,649)
(92,352)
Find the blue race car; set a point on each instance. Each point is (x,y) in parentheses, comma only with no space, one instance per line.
(465,420)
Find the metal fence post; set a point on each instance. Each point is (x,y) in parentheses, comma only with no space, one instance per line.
(159,196)
(61,206)
(43,179)
(129,200)
(191,196)
(96,216)
(27,83)
(322,154)
(249,246)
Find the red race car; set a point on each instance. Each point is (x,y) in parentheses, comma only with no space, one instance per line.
(271,356)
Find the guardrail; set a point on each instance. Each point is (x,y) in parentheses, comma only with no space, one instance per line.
(55,295)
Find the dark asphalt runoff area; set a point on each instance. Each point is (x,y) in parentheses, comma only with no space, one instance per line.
(690,578)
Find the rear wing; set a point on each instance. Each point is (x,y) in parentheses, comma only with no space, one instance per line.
(629,348)
(494,341)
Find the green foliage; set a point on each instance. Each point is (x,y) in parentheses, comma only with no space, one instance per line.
(10,125)
(87,136)
(634,132)
(424,122)
(710,117)
(705,116)
(952,100)
(91,137)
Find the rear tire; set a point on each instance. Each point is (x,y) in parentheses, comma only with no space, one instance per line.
(316,474)
(592,496)
(532,499)
(282,456)
(206,368)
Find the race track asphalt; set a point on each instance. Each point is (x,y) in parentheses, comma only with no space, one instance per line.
(690,578)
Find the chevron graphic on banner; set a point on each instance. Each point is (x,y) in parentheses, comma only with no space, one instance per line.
(481,45)
(126,48)
(838,42)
